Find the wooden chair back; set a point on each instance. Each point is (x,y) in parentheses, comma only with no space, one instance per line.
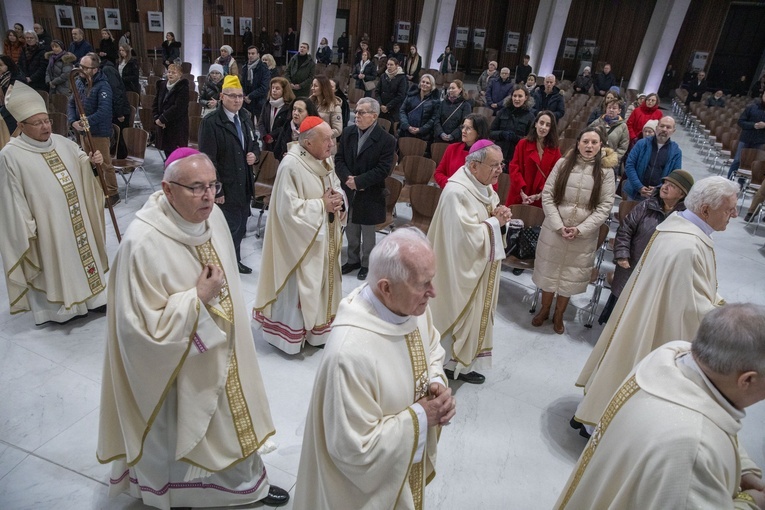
(147,119)
(565,145)
(186,67)
(409,146)
(147,101)
(758,171)
(114,143)
(392,191)
(384,123)
(625,207)
(193,96)
(485,111)
(158,69)
(424,200)
(532,216)
(195,108)
(45,95)
(59,103)
(417,169)
(266,174)
(503,187)
(437,151)
(59,123)
(135,140)
(194,122)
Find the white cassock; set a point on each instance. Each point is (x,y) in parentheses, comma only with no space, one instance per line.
(53,236)
(366,443)
(183,407)
(300,285)
(665,299)
(469,248)
(668,439)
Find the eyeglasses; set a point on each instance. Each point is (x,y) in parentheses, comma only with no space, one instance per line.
(495,166)
(235,97)
(200,189)
(38,123)
(86,67)
(363,112)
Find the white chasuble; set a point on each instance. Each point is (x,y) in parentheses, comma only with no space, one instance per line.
(665,299)
(362,434)
(183,407)
(469,247)
(300,286)
(53,242)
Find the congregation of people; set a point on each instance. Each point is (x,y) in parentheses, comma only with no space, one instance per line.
(183,398)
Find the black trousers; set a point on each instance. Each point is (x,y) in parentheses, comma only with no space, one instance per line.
(236,217)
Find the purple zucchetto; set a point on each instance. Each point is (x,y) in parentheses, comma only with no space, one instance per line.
(180,153)
(480,144)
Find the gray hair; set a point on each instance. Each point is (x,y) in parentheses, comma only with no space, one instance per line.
(552,76)
(174,168)
(430,79)
(388,259)
(373,104)
(33,34)
(731,339)
(710,191)
(480,155)
(504,70)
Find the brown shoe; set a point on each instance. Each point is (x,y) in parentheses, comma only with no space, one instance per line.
(544,312)
(560,308)
(111,201)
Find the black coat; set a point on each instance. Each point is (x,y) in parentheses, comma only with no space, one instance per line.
(510,125)
(392,92)
(603,82)
(370,167)
(552,101)
(33,65)
(130,76)
(369,72)
(109,47)
(219,140)
(267,134)
(172,109)
(449,118)
(210,90)
(257,89)
(120,103)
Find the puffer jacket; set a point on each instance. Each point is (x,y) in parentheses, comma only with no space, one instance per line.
(565,266)
(498,90)
(582,84)
(392,91)
(419,113)
(511,124)
(552,101)
(32,64)
(57,76)
(639,117)
(450,117)
(210,90)
(618,134)
(97,105)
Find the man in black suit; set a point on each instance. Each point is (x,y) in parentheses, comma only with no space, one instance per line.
(364,159)
(696,88)
(228,137)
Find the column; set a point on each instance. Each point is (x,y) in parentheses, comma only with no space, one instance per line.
(18,11)
(435,29)
(318,21)
(192,24)
(547,35)
(658,43)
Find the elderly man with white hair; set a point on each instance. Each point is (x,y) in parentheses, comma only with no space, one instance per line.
(468,238)
(380,396)
(669,438)
(665,299)
(549,97)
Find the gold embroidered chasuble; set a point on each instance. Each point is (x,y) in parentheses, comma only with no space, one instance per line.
(161,338)
(467,275)
(52,217)
(361,433)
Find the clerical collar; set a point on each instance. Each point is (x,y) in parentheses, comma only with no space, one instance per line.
(694,218)
(188,228)
(481,187)
(47,144)
(382,311)
(688,361)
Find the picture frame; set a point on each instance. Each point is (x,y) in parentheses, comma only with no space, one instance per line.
(245,23)
(155,22)
(65,16)
(112,19)
(227,23)
(89,17)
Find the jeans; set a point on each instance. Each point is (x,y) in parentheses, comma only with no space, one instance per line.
(737,158)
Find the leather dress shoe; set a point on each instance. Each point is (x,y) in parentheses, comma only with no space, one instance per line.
(112,200)
(470,377)
(363,272)
(580,427)
(244,269)
(748,217)
(347,268)
(276,496)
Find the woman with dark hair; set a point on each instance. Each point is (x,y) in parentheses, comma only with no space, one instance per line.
(513,121)
(107,48)
(451,112)
(365,72)
(9,73)
(276,111)
(324,52)
(577,200)
(327,104)
(391,91)
(13,46)
(413,65)
(171,49)
(533,161)
(128,68)
(301,108)
(171,110)
(475,127)
(60,64)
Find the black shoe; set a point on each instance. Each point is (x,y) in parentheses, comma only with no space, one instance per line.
(748,217)
(575,424)
(583,432)
(347,268)
(363,272)
(99,309)
(276,496)
(244,269)
(470,378)
(112,200)
(517,271)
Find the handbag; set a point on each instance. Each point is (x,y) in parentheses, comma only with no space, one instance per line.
(370,85)
(527,242)
(514,228)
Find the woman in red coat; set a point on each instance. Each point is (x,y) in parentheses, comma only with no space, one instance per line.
(474,127)
(649,110)
(534,158)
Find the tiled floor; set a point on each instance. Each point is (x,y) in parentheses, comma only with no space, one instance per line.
(509,447)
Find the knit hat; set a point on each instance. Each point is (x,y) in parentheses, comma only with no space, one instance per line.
(228,49)
(480,144)
(586,68)
(59,43)
(216,67)
(653,124)
(180,153)
(310,123)
(681,179)
(616,89)
(231,82)
(22,101)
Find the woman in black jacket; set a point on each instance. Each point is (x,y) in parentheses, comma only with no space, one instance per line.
(391,91)
(300,109)
(276,112)
(417,117)
(128,67)
(107,49)
(513,121)
(32,63)
(171,111)
(209,93)
(171,49)
(365,72)
(452,111)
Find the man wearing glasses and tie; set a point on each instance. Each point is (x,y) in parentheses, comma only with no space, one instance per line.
(228,137)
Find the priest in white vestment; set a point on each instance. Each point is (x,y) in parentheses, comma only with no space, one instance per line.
(468,239)
(380,394)
(53,241)
(665,299)
(183,407)
(668,438)
(300,286)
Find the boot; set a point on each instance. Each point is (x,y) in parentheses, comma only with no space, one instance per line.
(560,308)
(544,312)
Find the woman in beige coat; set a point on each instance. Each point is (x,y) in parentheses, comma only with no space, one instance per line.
(577,199)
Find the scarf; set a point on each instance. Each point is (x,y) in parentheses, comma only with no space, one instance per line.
(171,85)
(393,74)
(413,63)
(276,105)
(30,50)
(53,59)
(5,81)
(224,60)
(250,68)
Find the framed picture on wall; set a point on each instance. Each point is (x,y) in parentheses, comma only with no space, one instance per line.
(112,18)
(244,23)
(89,18)
(227,22)
(65,16)
(155,21)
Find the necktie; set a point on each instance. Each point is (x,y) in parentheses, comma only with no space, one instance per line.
(238,125)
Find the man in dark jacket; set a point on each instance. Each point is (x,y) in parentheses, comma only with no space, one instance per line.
(499,89)
(549,98)
(650,160)
(120,105)
(300,72)
(604,81)
(752,124)
(79,46)
(32,62)
(522,71)
(98,108)
(255,78)
(228,137)
(290,40)
(43,37)
(696,88)
(364,159)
